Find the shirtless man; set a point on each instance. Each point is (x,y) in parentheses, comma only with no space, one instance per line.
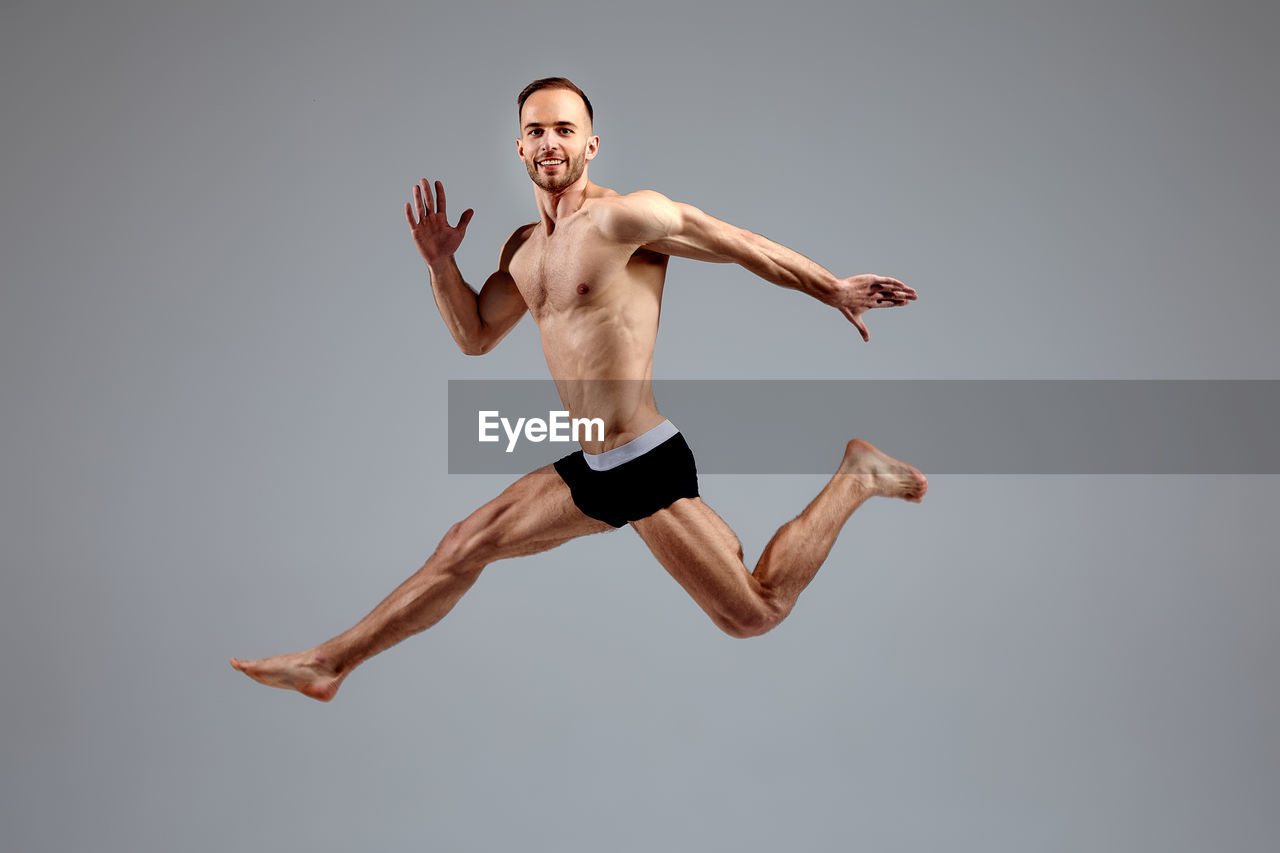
(591,271)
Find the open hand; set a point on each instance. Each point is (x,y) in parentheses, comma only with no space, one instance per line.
(435,238)
(860,293)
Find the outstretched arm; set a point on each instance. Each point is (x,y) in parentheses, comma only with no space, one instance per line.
(656,222)
(477,321)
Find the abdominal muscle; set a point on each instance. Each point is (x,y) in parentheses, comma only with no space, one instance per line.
(596,304)
(602,360)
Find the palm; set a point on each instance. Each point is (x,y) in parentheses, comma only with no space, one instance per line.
(428,223)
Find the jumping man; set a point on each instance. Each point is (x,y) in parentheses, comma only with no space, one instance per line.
(591,271)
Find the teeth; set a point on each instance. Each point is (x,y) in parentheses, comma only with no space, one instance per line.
(552,162)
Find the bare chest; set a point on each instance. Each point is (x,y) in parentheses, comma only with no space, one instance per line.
(566,269)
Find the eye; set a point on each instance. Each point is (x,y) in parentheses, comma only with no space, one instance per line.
(566,131)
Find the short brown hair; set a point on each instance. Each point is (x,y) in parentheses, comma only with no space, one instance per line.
(552,83)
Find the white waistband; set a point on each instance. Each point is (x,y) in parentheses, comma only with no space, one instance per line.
(637,446)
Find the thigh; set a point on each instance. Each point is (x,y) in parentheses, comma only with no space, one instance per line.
(533,514)
(703,554)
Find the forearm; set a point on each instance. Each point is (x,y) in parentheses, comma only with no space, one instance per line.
(693,233)
(776,263)
(458,304)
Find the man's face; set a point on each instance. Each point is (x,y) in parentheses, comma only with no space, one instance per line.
(555,138)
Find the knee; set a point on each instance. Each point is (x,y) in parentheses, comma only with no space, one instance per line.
(466,548)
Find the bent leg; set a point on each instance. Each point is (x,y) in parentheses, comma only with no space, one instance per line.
(704,556)
(533,514)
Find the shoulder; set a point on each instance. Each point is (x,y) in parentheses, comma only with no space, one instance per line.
(638,216)
(517,239)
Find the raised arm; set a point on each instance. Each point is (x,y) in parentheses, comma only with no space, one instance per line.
(477,321)
(656,222)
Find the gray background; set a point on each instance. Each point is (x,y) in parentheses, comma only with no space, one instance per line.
(223,430)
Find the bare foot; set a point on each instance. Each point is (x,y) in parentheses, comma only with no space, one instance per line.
(305,672)
(886,476)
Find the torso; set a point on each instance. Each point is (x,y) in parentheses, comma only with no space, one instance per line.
(596,303)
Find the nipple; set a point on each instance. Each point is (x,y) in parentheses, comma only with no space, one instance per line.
(584,289)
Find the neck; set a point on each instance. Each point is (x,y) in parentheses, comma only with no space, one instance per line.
(553,205)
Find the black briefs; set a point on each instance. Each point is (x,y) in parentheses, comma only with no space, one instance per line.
(636,488)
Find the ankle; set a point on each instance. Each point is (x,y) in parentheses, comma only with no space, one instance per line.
(331,658)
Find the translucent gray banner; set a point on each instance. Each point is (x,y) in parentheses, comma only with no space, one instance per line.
(940,426)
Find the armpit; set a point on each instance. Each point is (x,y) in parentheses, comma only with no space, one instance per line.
(649,256)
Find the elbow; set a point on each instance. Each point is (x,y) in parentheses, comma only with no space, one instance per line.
(476,344)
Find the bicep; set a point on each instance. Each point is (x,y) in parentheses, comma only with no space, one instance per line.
(697,235)
(500,304)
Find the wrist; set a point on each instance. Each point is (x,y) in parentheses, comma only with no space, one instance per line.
(440,266)
(827,288)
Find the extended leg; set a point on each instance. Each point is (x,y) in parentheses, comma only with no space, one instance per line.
(534,514)
(704,556)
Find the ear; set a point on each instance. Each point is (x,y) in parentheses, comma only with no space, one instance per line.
(593,147)
(520,148)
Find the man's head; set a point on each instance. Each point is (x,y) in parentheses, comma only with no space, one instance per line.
(556,138)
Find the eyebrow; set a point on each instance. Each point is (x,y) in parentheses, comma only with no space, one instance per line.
(555,124)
